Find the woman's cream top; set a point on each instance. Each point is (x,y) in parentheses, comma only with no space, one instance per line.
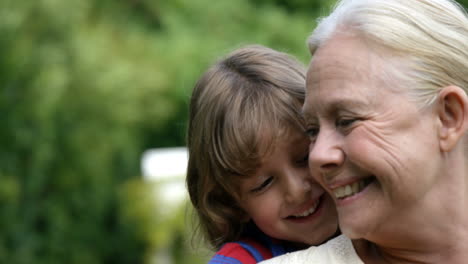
(339,250)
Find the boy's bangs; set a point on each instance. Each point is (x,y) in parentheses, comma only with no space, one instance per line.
(253,126)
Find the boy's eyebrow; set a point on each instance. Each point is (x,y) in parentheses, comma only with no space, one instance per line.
(306,112)
(305,115)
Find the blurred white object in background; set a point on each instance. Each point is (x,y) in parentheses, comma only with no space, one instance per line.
(167,167)
(163,163)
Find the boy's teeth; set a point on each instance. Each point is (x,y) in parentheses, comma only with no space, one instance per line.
(308,211)
(349,190)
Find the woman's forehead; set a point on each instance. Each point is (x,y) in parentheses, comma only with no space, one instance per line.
(343,72)
(346,58)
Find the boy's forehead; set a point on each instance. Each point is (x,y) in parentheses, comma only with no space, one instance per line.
(286,134)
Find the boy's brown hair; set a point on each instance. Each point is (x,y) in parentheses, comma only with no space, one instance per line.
(238,108)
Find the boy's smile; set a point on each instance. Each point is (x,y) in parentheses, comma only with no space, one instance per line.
(284,200)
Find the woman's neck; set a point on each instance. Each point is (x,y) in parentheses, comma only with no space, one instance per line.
(371,253)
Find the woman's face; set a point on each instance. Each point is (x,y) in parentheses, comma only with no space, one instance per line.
(283,200)
(371,148)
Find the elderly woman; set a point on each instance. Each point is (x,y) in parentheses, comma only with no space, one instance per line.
(387,114)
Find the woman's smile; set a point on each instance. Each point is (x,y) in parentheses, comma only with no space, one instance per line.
(346,191)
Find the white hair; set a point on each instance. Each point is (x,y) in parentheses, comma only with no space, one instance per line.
(428,37)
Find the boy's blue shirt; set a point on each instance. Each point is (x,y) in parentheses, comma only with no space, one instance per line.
(254,247)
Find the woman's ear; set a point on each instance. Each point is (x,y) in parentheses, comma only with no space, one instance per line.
(452,109)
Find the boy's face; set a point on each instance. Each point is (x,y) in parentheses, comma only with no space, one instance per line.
(284,200)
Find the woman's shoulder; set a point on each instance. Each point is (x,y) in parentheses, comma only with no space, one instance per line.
(338,250)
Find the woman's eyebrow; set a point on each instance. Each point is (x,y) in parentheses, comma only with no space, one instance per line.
(344,104)
(333,107)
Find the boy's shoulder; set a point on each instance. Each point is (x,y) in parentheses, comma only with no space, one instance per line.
(245,251)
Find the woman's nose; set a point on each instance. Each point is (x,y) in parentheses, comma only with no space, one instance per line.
(325,153)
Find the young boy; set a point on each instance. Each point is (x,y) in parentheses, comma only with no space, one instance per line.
(248,177)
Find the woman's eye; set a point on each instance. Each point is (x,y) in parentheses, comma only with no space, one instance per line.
(262,186)
(345,122)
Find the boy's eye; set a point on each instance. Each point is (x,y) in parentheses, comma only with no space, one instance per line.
(262,186)
(304,160)
(312,132)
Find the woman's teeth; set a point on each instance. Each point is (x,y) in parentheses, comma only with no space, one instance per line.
(350,189)
(309,211)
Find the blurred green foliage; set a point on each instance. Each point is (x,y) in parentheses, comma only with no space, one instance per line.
(85,87)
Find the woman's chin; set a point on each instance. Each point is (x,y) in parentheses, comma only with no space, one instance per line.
(354,229)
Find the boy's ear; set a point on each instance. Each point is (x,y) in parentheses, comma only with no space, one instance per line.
(245,218)
(452,110)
